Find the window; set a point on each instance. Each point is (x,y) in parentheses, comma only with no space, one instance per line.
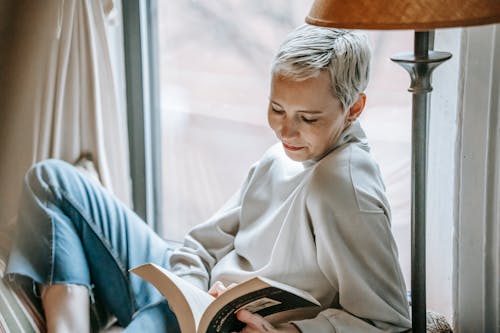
(214,62)
(214,80)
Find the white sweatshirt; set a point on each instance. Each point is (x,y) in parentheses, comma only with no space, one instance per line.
(323,227)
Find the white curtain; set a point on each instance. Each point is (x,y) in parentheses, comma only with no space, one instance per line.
(62,92)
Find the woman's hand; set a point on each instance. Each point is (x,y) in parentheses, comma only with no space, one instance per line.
(218,288)
(257,324)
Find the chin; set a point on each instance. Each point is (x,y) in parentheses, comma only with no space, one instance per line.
(296,157)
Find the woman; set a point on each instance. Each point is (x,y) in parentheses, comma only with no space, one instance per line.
(312,213)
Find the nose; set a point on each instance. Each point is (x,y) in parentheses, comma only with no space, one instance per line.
(288,128)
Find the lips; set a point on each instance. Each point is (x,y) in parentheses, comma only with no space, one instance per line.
(292,148)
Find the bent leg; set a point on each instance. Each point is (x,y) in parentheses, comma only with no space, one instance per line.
(73,231)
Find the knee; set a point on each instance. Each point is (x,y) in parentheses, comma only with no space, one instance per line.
(49,164)
(46,173)
(49,167)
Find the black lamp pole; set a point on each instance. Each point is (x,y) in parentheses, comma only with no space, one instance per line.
(419,65)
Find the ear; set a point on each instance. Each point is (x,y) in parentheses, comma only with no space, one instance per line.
(357,107)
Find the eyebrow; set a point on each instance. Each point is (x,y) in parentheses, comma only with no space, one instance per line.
(310,112)
(301,111)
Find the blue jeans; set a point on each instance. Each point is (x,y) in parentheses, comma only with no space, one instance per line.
(71,230)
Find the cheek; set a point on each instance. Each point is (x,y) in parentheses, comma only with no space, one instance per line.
(325,137)
(338,123)
(336,131)
(272,120)
(317,138)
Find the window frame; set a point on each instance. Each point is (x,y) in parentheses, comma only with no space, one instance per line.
(143,107)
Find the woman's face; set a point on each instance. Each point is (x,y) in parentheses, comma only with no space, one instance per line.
(305,116)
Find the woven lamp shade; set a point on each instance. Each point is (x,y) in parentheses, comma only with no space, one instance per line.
(403,14)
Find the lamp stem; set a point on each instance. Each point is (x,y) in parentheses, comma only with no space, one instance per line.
(419,65)
(418,209)
(421,44)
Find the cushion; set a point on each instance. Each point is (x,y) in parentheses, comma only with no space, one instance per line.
(17,312)
(437,323)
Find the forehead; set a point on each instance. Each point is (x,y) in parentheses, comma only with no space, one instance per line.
(311,91)
(319,82)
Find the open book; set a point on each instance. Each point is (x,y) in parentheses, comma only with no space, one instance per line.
(197,311)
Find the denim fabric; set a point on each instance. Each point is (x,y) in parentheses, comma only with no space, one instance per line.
(72,230)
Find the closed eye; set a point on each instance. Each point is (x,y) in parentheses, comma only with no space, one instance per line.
(278,111)
(308,120)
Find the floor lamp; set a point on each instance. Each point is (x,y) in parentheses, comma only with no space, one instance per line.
(423,16)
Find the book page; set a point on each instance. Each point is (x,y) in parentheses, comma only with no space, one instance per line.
(187,301)
(296,291)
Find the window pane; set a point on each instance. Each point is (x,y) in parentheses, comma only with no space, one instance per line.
(215,58)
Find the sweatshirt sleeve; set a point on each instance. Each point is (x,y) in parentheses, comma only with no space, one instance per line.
(357,254)
(208,242)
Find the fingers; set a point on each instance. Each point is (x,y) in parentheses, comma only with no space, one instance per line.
(254,322)
(217,289)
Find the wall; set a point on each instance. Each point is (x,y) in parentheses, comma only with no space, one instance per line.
(463,228)
(4,8)
(16,136)
(5,33)
(477,237)
(441,197)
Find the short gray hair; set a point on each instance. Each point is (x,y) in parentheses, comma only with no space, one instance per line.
(308,50)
